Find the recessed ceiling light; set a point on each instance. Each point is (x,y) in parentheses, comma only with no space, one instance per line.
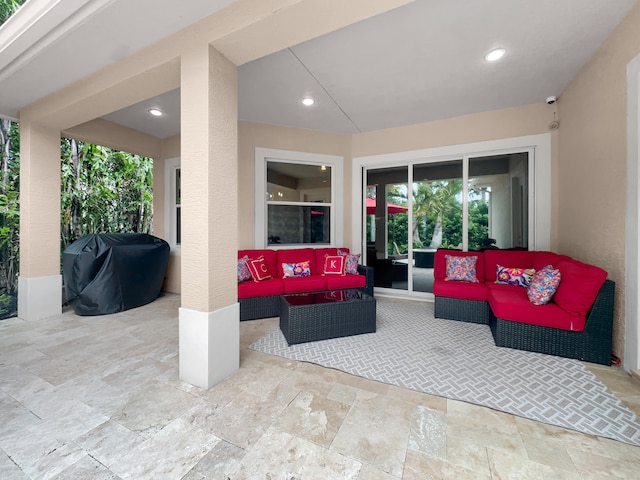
(156,112)
(495,55)
(308,101)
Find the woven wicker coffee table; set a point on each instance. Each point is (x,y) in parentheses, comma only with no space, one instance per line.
(308,317)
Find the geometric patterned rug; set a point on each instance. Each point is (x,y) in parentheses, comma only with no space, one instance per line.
(460,361)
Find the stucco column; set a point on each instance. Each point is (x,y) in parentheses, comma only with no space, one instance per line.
(209,315)
(40,282)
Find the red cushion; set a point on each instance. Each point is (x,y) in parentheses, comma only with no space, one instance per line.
(440,264)
(339,282)
(314,283)
(320,254)
(259,269)
(579,286)
(333,265)
(542,259)
(269,255)
(504,286)
(296,255)
(461,290)
(266,288)
(513,304)
(506,258)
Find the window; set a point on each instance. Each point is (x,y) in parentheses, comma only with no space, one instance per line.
(470,196)
(172,204)
(298,201)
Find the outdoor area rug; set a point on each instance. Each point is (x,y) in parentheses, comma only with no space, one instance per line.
(460,361)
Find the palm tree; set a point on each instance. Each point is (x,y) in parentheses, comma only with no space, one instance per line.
(433,198)
(422,196)
(444,194)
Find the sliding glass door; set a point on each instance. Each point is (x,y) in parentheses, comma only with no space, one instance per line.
(437,216)
(468,203)
(387,214)
(498,202)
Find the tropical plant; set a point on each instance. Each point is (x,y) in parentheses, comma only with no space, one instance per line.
(103,190)
(7,8)
(437,214)
(9,216)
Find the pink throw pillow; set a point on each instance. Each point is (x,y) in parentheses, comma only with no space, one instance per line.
(351,262)
(543,285)
(243,269)
(334,265)
(259,269)
(462,269)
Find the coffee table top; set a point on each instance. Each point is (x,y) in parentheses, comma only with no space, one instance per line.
(330,296)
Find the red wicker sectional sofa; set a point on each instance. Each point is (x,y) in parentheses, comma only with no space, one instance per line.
(576,323)
(261,299)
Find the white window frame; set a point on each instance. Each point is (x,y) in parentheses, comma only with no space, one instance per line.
(538,146)
(171,166)
(632,223)
(263,155)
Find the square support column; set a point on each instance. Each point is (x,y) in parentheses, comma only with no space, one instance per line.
(40,282)
(209,317)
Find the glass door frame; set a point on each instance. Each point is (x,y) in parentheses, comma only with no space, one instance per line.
(538,148)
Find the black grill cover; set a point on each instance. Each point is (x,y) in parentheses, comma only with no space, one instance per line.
(108,273)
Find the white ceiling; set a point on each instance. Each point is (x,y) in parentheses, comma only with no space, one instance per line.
(417,63)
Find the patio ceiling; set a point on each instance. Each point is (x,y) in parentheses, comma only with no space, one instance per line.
(420,62)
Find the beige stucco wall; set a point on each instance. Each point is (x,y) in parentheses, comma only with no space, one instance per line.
(592,167)
(112,135)
(39,200)
(252,135)
(495,125)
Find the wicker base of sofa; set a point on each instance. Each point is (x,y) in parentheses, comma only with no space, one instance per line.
(259,307)
(474,311)
(594,344)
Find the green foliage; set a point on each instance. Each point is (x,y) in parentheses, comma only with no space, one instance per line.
(102,190)
(9,216)
(433,202)
(7,8)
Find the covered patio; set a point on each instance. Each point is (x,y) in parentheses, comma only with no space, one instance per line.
(202,63)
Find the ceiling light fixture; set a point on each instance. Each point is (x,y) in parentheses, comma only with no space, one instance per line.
(308,101)
(156,112)
(495,55)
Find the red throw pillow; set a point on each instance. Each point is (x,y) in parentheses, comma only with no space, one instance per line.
(334,265)
(259,269)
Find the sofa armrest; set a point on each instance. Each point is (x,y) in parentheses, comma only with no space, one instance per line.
(368,272)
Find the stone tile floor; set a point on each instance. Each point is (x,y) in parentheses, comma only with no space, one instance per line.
(99,398)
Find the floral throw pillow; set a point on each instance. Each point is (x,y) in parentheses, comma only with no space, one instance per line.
(461,269)
(350,262)
(243,269)
(291,270)
(519,277)
(543,285)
